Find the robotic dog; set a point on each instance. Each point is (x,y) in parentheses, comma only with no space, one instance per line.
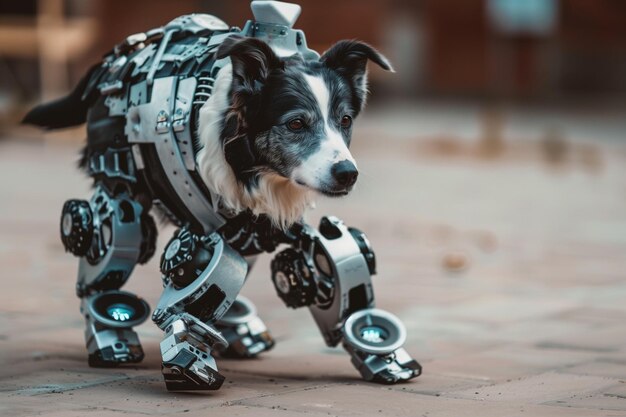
(177,119)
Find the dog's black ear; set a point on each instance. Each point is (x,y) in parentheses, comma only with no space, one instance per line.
(252,60)
(349,58)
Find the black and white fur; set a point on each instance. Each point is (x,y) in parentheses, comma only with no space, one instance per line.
(276,131)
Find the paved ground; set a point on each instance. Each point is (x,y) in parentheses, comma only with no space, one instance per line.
(506,261)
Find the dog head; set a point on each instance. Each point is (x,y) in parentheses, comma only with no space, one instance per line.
(293,117)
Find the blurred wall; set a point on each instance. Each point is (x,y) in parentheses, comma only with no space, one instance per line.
(581,51)
(440,48)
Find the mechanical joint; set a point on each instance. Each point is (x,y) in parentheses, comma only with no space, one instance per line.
(293,278)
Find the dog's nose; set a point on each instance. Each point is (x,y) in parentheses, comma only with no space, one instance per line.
(345,173)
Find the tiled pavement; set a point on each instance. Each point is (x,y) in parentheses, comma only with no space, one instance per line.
(509,272)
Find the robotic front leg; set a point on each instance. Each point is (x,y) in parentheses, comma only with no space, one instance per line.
(330,271)
(110,234)
(202,277)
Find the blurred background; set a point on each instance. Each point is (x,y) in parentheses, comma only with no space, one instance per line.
(492,186)
(531,51)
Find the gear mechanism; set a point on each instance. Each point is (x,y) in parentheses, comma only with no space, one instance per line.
(293,278)
(185,257)
(76,226)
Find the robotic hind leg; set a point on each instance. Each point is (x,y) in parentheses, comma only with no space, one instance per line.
(246,333)
(202,277)
(330,271)
(110,234)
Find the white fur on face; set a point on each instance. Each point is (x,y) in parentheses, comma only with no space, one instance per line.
(280,199)
(315,171)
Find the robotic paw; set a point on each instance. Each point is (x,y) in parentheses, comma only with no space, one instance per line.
(245,332)
(186,352)
(117,354)
(374,340)
(109,336)
(388,369)
(189,371)
(244,341)
(397,372)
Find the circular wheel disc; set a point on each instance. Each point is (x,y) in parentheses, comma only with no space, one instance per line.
(374,331)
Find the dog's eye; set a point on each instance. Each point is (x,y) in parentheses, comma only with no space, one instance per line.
(346,122)
(295,124)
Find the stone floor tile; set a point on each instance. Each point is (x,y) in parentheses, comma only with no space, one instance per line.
(537,389)
(356,400)
(603,366)
(613,398)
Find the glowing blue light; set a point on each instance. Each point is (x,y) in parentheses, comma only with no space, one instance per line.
(120,312)
(373,334)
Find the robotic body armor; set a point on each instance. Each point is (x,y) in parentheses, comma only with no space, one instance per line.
(146,96)
(144,101)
